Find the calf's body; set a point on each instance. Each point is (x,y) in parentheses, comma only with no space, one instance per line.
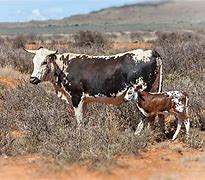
(175,102)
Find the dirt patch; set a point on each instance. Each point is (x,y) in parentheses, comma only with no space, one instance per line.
(166,160)
(9,82)
(131,45)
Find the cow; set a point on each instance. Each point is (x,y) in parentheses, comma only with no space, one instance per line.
(152,104)
(102,79)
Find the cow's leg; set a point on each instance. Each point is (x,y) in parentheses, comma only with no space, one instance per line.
(77,101)
(179,125)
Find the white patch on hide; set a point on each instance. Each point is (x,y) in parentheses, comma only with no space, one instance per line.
(79,111)
(140,82)
(139,55)
(176,95)
(98,95)
(142,55)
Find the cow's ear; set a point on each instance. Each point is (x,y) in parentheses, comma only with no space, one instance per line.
(138,88)
(52,57)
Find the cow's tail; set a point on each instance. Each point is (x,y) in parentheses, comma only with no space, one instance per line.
(157,85)
(159,65)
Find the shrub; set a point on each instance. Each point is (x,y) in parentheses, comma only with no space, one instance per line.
(19,41)
(182,53)
(91,39)
(16,58)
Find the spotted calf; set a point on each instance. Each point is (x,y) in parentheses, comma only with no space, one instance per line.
(150,104)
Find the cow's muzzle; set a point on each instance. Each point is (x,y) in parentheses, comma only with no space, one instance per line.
(34,80)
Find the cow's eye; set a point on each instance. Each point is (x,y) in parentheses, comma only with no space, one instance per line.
(44,62)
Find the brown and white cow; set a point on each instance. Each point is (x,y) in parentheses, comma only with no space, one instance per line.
(150,104)
(103,79)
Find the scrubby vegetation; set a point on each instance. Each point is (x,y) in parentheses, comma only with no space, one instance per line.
(16,58)
(33,119)
(45,126)
(90,39)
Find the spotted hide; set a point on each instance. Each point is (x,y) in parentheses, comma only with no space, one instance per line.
(103,79)
(152,104)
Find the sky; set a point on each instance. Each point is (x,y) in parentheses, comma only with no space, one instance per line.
(26,10)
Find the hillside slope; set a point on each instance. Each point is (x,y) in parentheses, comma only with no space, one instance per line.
(170,11)
(174,14)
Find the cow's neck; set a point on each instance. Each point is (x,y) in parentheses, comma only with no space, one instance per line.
(59,76)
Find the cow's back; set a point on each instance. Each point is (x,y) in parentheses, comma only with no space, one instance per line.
(108,75)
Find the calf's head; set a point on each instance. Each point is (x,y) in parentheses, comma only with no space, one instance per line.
(131,94)
(42,61)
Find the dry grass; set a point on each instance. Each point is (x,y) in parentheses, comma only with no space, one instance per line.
(183,68)
(10,72)
(16,58)
(46,127)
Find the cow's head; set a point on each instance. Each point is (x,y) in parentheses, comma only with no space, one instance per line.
(42,64)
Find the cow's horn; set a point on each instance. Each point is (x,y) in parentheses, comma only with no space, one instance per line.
(53,52)
(30,51)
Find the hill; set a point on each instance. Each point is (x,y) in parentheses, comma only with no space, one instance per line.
(181,14)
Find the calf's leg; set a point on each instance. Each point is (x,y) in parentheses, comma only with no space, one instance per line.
(187,126)
(139,127)
(187,122)
(179,125)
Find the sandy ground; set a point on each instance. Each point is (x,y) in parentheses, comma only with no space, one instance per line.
(166,160)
